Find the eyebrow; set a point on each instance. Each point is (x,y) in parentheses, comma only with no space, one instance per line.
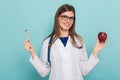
(67,16)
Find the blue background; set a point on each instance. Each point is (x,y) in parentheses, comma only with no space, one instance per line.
(37,16)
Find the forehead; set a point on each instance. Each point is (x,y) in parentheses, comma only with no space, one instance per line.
(68,13)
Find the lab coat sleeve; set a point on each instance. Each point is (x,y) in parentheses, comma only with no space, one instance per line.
(87,64)
(40,63)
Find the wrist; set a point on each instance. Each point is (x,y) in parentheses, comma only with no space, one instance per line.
(95,53)
(33,54)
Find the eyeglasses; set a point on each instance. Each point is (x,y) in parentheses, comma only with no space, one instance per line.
(65,17)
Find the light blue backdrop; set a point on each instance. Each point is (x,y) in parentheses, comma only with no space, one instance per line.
(37,16)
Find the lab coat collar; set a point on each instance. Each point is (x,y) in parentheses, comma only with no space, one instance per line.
(59,43)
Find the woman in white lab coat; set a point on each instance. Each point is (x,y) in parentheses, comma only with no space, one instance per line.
(67,53)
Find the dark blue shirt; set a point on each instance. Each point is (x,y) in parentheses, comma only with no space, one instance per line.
(64,40)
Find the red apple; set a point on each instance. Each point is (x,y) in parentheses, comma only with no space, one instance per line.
(102,36)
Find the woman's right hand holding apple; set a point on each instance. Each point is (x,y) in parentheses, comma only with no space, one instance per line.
(100,44)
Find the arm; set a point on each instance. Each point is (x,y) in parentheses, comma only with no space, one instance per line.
(39,64)
(86,64)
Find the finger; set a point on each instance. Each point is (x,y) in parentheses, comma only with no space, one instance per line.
(26,41)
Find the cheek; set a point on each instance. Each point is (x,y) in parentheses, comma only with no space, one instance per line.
(60,22)
(71,24)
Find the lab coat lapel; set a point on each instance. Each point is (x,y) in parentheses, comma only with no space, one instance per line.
(59,43)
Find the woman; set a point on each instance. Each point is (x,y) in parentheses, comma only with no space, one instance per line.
(65,49)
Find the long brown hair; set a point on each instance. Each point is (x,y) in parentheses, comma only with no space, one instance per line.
(72,32)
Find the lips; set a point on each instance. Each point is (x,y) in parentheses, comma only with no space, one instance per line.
(66,24)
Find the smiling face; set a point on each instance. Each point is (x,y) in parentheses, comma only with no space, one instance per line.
(66,20)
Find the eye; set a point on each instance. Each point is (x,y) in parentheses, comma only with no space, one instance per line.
(64,16)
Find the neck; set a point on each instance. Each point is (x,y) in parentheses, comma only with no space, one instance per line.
(64,33)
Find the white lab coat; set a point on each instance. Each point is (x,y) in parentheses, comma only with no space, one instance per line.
(67,63)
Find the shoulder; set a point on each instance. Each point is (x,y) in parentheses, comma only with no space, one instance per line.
(78,39)
(46,41)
